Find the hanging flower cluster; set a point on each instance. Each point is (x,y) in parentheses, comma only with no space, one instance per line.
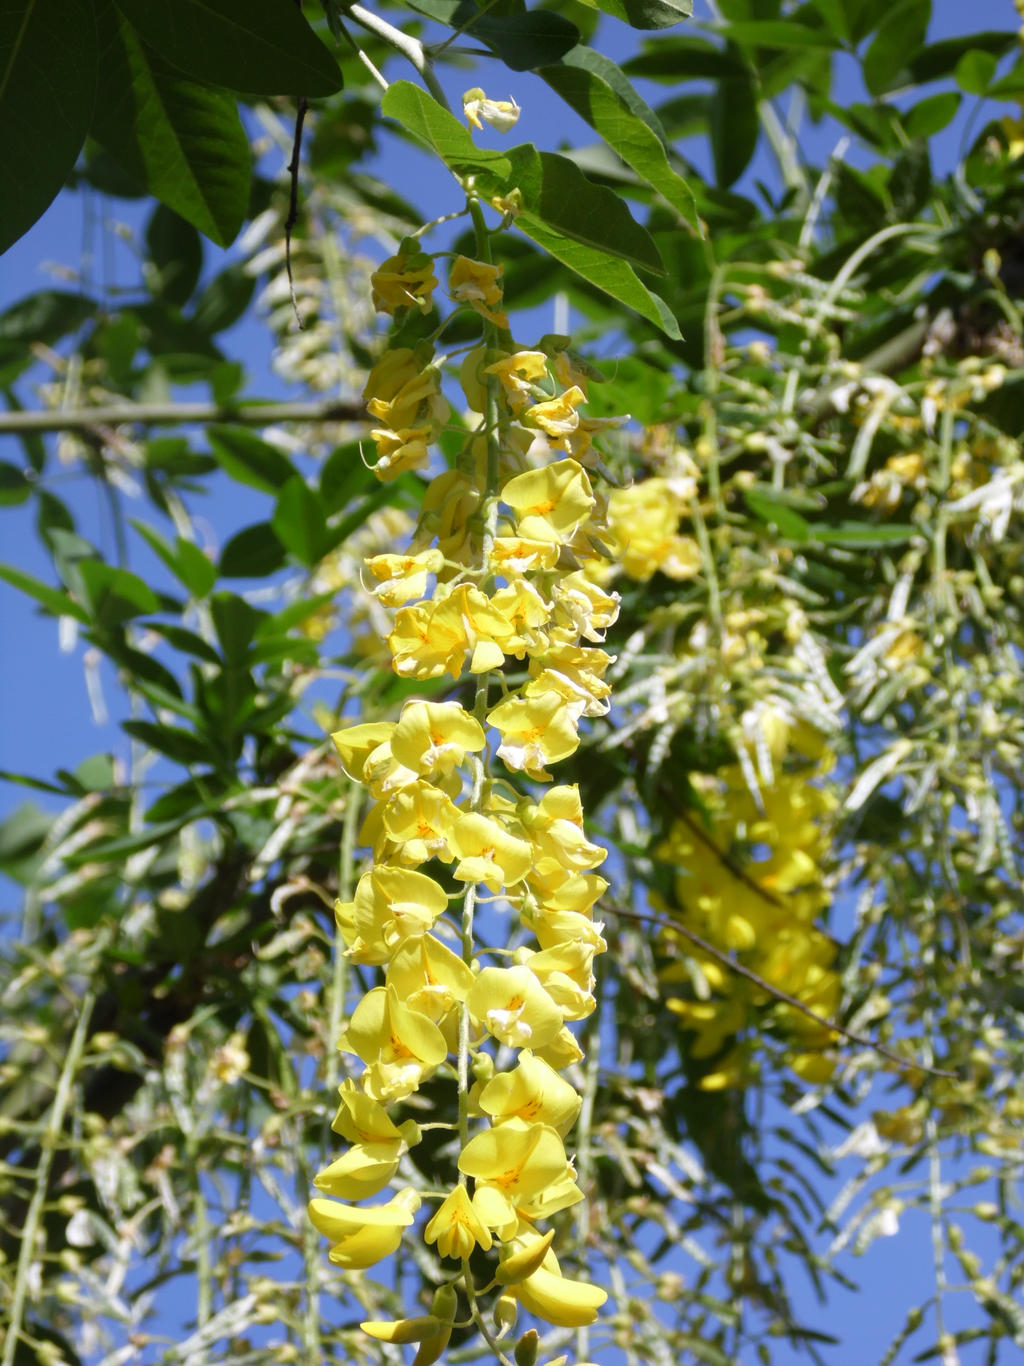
(496,587)
(751,884)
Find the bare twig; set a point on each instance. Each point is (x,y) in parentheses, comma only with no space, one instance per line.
(178,414)
(742,971)
(293,202)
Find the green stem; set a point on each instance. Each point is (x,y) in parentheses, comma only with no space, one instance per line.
(34,1215)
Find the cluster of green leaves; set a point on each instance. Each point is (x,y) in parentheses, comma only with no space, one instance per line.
(177,902)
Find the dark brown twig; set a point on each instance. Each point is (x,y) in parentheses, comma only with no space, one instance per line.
(728,962)
(293,202)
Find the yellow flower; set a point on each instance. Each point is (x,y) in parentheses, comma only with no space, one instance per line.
(399,1045)
(403,1330)
(534,731)
(564,971)
(419,819)
(363,1171)
(476,283)
(500,114)
(426,642)
(434,638)
(406,280)
(363,1235)
(430,979)
(551,503)
(399,451)
(518,555)
(550,1296)
(435,736)
(575,672)
(390,906)
(402,394)
(582,609)
(404,577)
(355,744)
(556,417)
(519,374)
(515,1166)
(533,1092)
(513,1006)
(554,826)
(487,852)
(456,1228)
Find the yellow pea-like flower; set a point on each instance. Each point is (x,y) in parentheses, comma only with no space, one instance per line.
(435,736)
(403,1330)
(533,1092)
(456,1228)
(513,1006)
(365,1234)
(558,1300)
(550,503)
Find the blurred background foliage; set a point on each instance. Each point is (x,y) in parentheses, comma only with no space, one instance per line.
(813,764)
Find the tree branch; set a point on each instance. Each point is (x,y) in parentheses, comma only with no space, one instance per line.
(177,414)
(728,961)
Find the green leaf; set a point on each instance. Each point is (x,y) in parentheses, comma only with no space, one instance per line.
(175,251)
(47,93)
(734,127)
(183,141)
(974,71)
(557,193)
(862,533)
(180,745)
(607,113)
(671,59)
(55,600)
(248,459)
(95,774)
(940,59)
(252,553)
(899,36)
(778,33)
(45,316)
(236,624)
(197,571)
(15,486)
(775,513)
(343,476)
(612,276)
(184,640)
(931,114)
(910,180)
(115,595)
(421,115)
(300,523)
(224,299)
(23,831)
(259,47)
(647,13)
(280,623)
(523,40)
(589,59)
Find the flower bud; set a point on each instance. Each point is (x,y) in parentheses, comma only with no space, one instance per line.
(525,1262)
(506,1309)
(403,1330)
(526,1348)
(445,1303)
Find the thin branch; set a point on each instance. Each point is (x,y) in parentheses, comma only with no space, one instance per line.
(177,414)
(731,963)
(410,48)
(293,202)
